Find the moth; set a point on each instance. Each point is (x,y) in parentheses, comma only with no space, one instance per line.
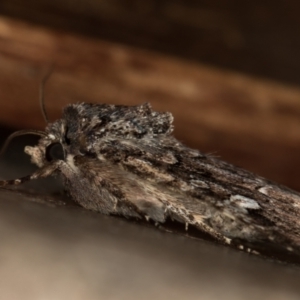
(124,160)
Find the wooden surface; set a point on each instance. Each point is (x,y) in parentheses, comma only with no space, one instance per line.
(250,122)
(255,37)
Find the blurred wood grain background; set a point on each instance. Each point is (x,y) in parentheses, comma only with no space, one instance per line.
(228,71)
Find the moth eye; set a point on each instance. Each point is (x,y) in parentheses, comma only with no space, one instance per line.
(55,151)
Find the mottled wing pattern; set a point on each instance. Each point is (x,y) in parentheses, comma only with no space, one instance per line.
(124,160)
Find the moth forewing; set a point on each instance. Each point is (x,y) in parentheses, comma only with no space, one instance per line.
(124,160)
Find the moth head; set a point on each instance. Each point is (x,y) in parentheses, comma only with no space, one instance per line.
(51,146)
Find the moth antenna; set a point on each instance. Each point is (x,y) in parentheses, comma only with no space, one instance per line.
(42,93)
(40,173)
(18,133)
(16,181)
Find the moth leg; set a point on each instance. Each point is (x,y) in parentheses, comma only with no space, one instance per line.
(45,171)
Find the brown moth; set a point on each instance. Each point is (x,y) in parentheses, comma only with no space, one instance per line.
(124,160)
